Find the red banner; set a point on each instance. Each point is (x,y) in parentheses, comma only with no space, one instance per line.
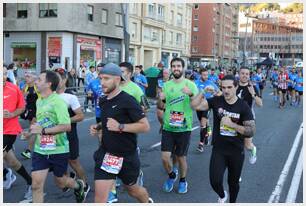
(54,46)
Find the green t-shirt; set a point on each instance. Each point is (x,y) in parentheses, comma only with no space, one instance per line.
(134,90)
(178,113)
(52,111)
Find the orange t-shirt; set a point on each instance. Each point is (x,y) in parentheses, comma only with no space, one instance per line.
(12,100)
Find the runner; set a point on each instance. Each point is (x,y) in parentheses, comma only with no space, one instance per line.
(76,115)
(13,106)
(274,81)
(261,79)
(249,94)
(177,123)
(233,121)
(283,80)
(213,77)
(291,90)
(51,149)
(299,87)
(31,95)
(210,90)
(90,75)
(140,79)
(122,118)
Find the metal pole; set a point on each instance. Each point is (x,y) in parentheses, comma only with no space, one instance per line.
(126,35)
(245,39)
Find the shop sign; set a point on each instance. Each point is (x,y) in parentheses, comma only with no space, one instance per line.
(23,45)
(54,46)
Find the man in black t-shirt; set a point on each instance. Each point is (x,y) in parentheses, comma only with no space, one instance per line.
(248,93)
(233,121)
(122,118)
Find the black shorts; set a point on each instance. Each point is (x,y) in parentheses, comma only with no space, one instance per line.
(128,173)
(57,163)
(73,144)
(8,141)
(98,119)
(300,92)
(201,114)
(290,88)
(29,114)
(261,86)
(175,142)
(282,90)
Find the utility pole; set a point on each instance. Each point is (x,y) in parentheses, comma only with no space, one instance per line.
(126,35)
(245,37)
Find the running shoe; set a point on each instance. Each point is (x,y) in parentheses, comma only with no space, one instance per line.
(175,170)
(88,110)
(223,200)
(112,197)
(26,154)
(140,178)
(200,147)
(28,193)
(182,187)
(79,193)
(150,200)
(10,179)
(86,190)
(240,179)
(253,156)
(73,176)
(168,185)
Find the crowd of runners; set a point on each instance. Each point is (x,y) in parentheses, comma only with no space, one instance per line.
(118,96)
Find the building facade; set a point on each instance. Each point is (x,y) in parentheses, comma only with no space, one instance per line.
(214,34)
(39,36)
(159,32)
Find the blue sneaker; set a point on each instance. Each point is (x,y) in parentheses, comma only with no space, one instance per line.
(112,197)
(168,185)
(182,187)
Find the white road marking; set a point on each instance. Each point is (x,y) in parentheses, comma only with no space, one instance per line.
(294,187)
(283,176)
(159,143)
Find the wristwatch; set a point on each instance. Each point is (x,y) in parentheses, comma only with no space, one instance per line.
(43,131)
(121,127)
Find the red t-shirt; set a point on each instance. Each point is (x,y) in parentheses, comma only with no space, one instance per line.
(12,100)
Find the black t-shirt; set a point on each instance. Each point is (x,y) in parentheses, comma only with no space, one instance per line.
(226,139)
(243,93)
(31,98)
(124,109)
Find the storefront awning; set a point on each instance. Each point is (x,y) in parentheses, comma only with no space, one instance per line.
(23,45)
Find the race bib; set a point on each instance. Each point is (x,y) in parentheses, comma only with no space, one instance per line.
(112,164)
(47,142)
(177,119)
(227,131)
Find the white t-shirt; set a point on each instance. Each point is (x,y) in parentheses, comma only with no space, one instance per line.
(71,101)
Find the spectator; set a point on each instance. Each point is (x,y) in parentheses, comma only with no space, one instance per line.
(81,75)
(71,82)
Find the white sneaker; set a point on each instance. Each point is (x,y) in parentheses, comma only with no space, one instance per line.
(10,179)
(223,200)
(253,156)
(88,110)
(28,193)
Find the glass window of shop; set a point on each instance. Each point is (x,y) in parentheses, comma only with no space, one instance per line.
(47,10)
(24,54)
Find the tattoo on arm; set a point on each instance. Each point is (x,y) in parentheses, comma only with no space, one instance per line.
(249,128)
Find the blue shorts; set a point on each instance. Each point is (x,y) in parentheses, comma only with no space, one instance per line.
(58,163)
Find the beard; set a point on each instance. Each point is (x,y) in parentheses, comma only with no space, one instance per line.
(177,75)
(109,89)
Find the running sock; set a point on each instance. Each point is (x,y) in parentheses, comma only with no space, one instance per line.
(203,133)
(22,171)
(5,171)
(183,179)
(172,175)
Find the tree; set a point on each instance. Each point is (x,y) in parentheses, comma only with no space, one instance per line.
(293,8)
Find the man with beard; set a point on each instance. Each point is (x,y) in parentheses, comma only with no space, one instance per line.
(233,122)
(248,93)
(177,125)
(122,118)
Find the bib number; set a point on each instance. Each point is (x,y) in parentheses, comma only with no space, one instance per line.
(112,164)
(47,142)
(176,119)
(227,131)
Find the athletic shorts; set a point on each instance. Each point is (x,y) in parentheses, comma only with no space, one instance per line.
(8,141)
(128,173)
(175,142)
(29,114)
(290,88)
(201,114)
(282,90)
(300,92)
(261,86)
(73,144)
(57,163)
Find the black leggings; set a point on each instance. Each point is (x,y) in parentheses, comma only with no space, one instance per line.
(218,163)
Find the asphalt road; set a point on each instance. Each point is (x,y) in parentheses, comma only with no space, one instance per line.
(276,131)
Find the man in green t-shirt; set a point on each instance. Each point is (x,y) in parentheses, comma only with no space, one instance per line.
(51,149)
(177,125)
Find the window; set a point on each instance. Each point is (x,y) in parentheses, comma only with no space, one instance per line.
(134,30)
(47,10)
(194,38)
(22,11)
(147,33)
(151,9)
(196,6)
(196,17)
(104,16)
(4,9)
(195,28)
(179,19)
(179,38)
(194,49)
(119,19)
(160,11)
(90,12)
(171,16)
(171,37)
(155,36)
(133,8)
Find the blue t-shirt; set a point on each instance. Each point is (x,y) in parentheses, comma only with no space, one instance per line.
(140,79)
(160,83)
(207,86)
(214,78)
(292,77)
(96,88)
(256,80)
(88,78)
(299,84)
(274,76)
